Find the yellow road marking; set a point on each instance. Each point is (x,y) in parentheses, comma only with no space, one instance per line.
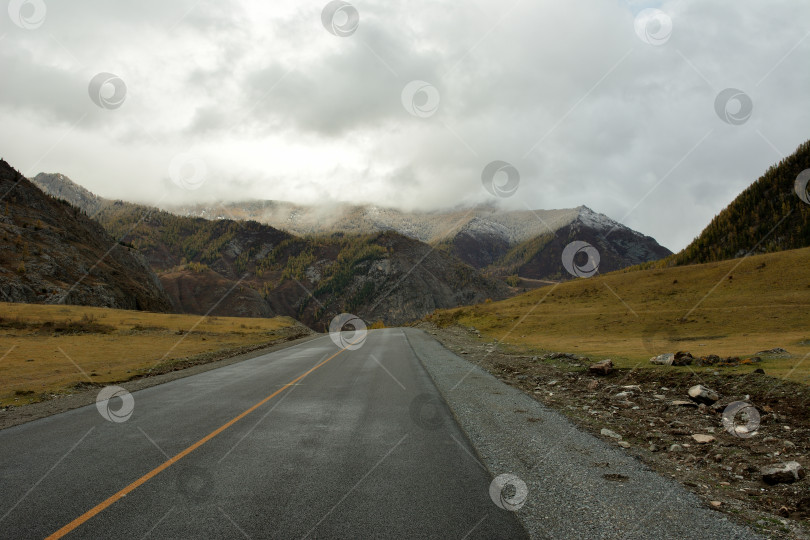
(165,465)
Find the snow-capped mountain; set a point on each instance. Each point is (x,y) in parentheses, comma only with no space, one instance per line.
(522,242)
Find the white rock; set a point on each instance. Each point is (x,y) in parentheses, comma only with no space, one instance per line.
(665,359)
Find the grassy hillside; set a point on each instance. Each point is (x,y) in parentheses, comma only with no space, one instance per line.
(50,349)
(729,308)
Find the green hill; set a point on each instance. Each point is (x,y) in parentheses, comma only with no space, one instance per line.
(768,216)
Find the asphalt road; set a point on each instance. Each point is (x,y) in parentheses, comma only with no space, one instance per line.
(362,446)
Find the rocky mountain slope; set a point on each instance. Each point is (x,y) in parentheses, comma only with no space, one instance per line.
(540,255)
(51,252)
(527,243)
(227,267)
(62,187)
(772,214)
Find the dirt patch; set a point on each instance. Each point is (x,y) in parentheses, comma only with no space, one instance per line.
(652,413)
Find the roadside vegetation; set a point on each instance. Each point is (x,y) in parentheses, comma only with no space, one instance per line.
(733,308)
(49,350)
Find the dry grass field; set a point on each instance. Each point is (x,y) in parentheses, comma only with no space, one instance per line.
(48,349)
(730,308)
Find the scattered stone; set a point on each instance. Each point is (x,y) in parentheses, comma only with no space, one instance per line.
(701,394)
(716,504)
(652,448)
(665,359)
(683,403)
(609,433)
(602,368)
(557,355)
(702,439)
(659,396)
(788,444)
(784,473)
(760,371)
(709,360)
(682,358)
(624,444)
(676,448)
(776,351)
(623,395)
(522,377)
(593,385)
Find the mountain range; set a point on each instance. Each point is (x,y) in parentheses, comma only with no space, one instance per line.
(264,258)
(245,268)
(526,243)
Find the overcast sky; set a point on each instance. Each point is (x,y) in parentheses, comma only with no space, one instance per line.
(593,102)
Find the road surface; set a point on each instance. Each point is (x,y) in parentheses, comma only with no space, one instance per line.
(313,441)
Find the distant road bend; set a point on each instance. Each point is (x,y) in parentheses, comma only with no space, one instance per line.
(312,441)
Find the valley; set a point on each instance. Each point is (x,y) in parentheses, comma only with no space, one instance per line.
(402,270)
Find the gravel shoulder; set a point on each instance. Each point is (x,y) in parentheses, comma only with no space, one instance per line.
(579,486)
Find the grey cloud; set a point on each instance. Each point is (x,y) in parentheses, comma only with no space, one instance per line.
(281,108)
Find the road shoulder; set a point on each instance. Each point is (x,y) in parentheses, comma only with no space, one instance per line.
(579,486)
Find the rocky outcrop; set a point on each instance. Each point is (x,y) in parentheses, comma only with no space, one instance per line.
(51,252)
(783,473)
(601,368)
(701,394)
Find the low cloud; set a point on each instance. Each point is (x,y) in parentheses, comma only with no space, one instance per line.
(280,108)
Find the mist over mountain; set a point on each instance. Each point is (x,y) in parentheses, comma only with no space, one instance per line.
(246,268)
(500,243)
(526,243)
